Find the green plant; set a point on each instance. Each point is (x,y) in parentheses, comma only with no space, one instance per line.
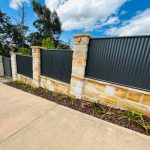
(45,87)
(33,88)
(24,50)
(62,97)
(136,117)
(59,96)
(48,43)
(96,105)
(18,82)
(72,98)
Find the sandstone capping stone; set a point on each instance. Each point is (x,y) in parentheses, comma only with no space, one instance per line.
(36,47)
(79,40)
(82,35)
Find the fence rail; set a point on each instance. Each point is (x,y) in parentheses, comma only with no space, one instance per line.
(122,60)
(57,64)
(24,65)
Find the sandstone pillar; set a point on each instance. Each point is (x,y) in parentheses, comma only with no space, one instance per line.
(13,66)
(80,51)
(1,66)
(36,65)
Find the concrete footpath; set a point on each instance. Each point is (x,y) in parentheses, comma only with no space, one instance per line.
(28,122)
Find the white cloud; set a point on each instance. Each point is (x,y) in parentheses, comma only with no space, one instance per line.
(54,4)
(111,21)
(138,25)
(14,3)
(84,14)
(104,22)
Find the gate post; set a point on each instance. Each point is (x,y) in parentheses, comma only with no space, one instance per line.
(36,65)
(80,50)
(13,65)
(1,66)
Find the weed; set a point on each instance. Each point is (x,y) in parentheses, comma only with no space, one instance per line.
(136,117)
(56,94)
(72,98)
(59,96)
(18,82)
(33,88)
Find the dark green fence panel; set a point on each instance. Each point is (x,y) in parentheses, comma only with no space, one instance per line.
(57,64)
(7,66)
(24,65)
(120,60)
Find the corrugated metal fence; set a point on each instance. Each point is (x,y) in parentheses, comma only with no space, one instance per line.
(7,66)
(121,60)
(57,64)
(24,65)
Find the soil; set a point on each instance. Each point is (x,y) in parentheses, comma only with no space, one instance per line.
(113,115)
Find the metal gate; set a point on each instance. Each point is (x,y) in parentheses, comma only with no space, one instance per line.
(7,66)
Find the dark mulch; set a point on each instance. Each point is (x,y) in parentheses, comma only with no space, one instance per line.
(106,113)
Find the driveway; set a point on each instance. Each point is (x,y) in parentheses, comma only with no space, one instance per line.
(28,122)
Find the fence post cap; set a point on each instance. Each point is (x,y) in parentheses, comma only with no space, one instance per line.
(12,52)
(38,47)
(81,35)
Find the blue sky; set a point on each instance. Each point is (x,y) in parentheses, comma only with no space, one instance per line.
(99,18)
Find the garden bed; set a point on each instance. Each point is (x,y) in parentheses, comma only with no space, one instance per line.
(127,119)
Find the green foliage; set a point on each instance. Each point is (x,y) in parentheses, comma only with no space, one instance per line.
(18,82)
(72,98)
(98,108)
(136,117)
(21,83)
(96,105)
(33,88)
(10,33)
(24,50)
(48,43)
(59,96)
(47,23)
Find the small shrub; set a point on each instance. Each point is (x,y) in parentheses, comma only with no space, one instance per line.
(18,82)
(33,88)
(59,96)
(136,117)
(24,50)
(48,43)
(72,98)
